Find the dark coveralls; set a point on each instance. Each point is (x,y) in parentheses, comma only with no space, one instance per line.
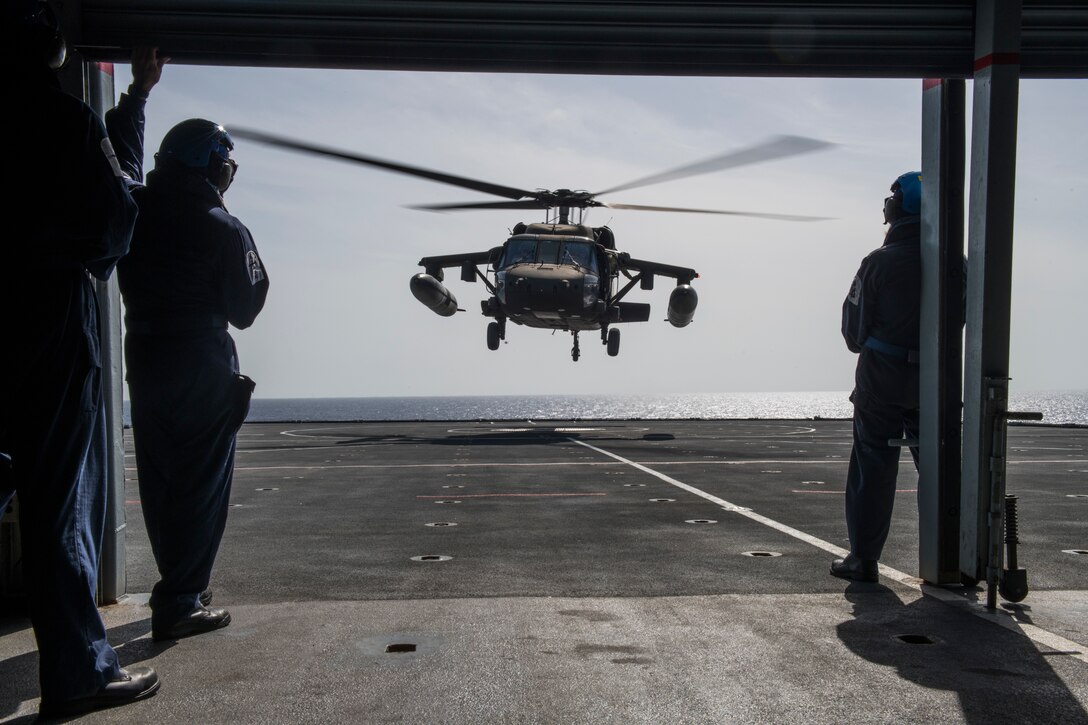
(192,269)
(880,320)
(70,218)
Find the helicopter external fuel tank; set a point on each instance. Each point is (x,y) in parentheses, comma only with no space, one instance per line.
(433,294)
(682,304)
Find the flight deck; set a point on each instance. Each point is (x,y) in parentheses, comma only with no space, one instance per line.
(654,571)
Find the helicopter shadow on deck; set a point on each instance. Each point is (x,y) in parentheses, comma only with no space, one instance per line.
(998,675)
(500,438)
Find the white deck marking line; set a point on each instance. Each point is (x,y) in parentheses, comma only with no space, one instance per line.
(1036,634)
(788,530)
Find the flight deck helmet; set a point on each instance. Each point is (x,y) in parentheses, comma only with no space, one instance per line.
(906,198)
(203,146)
(33,33)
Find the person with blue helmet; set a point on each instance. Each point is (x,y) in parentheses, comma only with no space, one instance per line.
(72,218)
(192,271)
(880,322)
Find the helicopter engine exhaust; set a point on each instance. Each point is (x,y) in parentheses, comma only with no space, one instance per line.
(433,294)
(682,304)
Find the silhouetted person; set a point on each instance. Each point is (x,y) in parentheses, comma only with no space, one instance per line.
(192,270)
(880,321)
(74,218)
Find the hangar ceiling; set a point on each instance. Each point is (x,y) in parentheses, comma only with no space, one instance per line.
(904,38)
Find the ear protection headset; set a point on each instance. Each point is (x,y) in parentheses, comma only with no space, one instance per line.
(893,205)
(221,172)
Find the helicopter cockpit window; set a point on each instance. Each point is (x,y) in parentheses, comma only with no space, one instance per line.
(580,254)
(548,253)
(519,251)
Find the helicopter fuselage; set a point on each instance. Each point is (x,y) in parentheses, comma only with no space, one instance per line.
(551,280)
(557,277)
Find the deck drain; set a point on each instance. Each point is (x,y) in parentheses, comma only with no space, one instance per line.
(700,521)
(761,553)
(432,557)
(1076,552)
(266,489)
(814,483)
(915,639)
(400,648)
(452,486)
(441,523)
(662,500)
(770,471)
(634,485)
(234,505)
(1076,495)
(447,500)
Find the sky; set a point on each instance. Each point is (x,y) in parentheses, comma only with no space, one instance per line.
(340,244)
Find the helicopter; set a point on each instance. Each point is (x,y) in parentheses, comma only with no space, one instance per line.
(560,273)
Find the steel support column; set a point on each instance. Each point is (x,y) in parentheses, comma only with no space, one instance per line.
(941,341)
(989,280)
(98,92)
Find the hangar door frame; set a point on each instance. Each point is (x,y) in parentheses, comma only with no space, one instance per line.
(993,42)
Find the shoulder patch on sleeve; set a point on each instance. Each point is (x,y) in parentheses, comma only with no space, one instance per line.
(855,291)
(111,157)
(256,271)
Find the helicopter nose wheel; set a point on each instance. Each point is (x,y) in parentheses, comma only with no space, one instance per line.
(496,331)
(575,352)
(613,342)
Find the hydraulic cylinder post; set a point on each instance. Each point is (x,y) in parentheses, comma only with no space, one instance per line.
(1014,580)
(997,394)
(1011,582)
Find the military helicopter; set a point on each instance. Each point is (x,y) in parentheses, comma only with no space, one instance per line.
(560,274)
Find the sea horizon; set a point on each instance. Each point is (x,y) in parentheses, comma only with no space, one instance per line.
(1059,407)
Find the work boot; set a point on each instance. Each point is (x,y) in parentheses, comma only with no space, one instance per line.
(198,621)
(859,570)
(134,683)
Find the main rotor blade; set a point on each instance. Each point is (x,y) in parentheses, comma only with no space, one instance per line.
(758,215)
(522,204)
(775,148)
(486,187)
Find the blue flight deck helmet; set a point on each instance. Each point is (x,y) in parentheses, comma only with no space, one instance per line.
(203,146)
(906,198)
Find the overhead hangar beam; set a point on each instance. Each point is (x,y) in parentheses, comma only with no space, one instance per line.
(862,39)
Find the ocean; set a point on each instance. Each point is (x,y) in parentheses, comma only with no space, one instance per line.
(1057,407)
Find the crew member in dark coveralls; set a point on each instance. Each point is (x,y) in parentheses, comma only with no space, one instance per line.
(71,219)
(193,268)
(880,321)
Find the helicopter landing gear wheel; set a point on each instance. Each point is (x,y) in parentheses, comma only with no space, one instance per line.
(613,342)
(493,336)
(575,352)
